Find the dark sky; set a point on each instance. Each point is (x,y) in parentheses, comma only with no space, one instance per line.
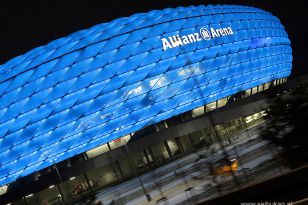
(26,25)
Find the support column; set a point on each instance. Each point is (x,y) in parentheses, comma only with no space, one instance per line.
(168,149)
(60,192)
(111,164)
(146,155)
(152,155)
(58,186)
(87,181)
(140,181)
(119,168)
(179,144)
(26,200)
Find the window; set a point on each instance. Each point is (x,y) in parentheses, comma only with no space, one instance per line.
(254,117)
(266,86)
(173,147)
(222,102)
(161,125)
(119,142)
(97,151)
(260,88)
(196,138)
(247,92)
(254,90)
(198,111)
(210,106)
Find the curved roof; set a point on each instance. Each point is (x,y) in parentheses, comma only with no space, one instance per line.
(96,85)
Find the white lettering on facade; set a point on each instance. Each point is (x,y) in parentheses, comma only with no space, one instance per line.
(204,34)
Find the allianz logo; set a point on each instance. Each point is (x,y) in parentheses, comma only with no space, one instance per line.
(204,34)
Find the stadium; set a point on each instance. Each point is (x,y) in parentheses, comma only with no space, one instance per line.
(109,103)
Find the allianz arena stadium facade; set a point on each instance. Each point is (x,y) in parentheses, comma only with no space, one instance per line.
(96,85)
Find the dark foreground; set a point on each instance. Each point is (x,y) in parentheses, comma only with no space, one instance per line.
(287,188)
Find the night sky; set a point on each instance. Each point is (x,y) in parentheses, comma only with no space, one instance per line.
(26,25)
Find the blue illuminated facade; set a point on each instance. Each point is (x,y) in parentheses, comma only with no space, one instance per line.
(99,84)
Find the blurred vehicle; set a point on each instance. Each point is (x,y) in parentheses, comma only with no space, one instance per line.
(227,169)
